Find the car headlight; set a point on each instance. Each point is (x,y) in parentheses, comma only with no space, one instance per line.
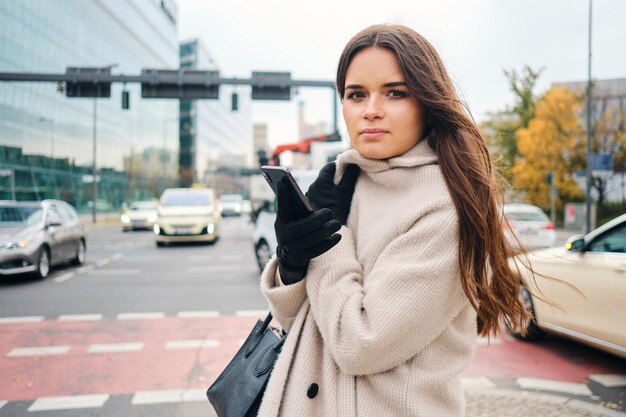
(152,218)
(237,208)
(125,218)
(14,244)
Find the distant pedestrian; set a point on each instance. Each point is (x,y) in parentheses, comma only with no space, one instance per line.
(385,287)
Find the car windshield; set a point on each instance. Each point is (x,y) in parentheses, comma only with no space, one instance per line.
(526,216)
(231,198)
(186,199)
(16,215)
(144,205)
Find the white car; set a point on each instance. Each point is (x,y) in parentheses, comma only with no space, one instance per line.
(187,215)
(530,225)
(579,290)
(263,234)
(139,215)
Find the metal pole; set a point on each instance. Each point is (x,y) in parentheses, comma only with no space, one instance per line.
(589,148)
(94,186)
(553,197)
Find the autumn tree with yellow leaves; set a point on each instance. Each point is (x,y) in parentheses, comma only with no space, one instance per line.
(553,142)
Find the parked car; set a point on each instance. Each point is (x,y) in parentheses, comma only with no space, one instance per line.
(139,215)
(582,289)
(263,234)
(187,215)
(531,226)
(231,205)
(37,235)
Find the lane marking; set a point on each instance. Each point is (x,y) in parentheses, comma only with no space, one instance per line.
(80,317)
(550,385)
(38,351)
(484,341)
(115,347)
(64,277)
(251,313)
(24,319)
(115,272)
(69,402)
(168,396)
(480,382)
(191,344)
(117,256)
(103,261)
(609,380)
(84,269)
(198,314)
(140,316)
(141,259)
(214,268)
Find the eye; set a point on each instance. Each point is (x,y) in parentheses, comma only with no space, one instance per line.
(398,93)
(355,95)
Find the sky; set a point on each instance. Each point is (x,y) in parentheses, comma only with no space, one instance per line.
(477,40)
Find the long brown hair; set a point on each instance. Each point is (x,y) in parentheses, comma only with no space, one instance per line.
(491,285)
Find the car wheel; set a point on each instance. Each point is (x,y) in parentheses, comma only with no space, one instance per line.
(263,254)
(43,263)
(80,254)
(532,330)
(160,244)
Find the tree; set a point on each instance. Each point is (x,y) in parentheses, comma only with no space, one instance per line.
(553,142)
(501,127)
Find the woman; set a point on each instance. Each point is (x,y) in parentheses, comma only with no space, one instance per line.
(384,288)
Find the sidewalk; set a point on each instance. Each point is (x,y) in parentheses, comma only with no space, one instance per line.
(509,403)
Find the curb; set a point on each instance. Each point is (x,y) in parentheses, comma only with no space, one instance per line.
(513,401)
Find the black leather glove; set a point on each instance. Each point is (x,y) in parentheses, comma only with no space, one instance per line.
(300,240)
(323,193)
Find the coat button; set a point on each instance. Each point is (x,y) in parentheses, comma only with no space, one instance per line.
(312,391)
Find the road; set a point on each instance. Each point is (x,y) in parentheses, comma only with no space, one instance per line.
(143,331)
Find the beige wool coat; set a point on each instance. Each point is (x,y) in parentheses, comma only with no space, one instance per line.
(380,326)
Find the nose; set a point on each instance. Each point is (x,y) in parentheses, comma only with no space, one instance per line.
(374,108)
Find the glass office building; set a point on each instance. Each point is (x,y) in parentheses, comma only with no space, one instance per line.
(47,139)
(216,140)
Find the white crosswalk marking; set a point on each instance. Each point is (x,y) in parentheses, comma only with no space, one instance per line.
(168,396)
(115,347)
(68,403)
(24,319)
(116,272)
(63,278)
(140,316)
(198,314)
(214,268)
(80,317)
(38,351)
(191,344)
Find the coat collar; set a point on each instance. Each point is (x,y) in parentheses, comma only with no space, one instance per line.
(419,155)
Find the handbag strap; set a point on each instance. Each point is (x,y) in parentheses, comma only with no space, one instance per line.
(266,322)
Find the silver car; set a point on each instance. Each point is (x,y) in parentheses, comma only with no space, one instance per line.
(37,235)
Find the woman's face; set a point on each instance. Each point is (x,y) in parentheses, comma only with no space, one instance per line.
(383,120)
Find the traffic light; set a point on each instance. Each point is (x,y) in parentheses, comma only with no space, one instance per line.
(182,84)
(271,85)
(78,88)
(262,157)
(125,100)
(234,102)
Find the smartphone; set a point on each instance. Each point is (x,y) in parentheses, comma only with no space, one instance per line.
(273,175)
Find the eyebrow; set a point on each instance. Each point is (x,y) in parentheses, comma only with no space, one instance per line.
(392,84)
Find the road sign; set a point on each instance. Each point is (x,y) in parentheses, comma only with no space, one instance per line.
(271,85)
(181,84)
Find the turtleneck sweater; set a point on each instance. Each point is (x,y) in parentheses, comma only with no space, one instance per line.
(380,325)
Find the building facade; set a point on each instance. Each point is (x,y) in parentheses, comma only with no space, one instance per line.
(47,139)
(216,137)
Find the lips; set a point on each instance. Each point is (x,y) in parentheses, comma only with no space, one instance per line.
(373,131)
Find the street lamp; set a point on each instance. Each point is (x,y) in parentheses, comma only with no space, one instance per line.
(589,148)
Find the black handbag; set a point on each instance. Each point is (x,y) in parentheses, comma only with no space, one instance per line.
(238,391)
